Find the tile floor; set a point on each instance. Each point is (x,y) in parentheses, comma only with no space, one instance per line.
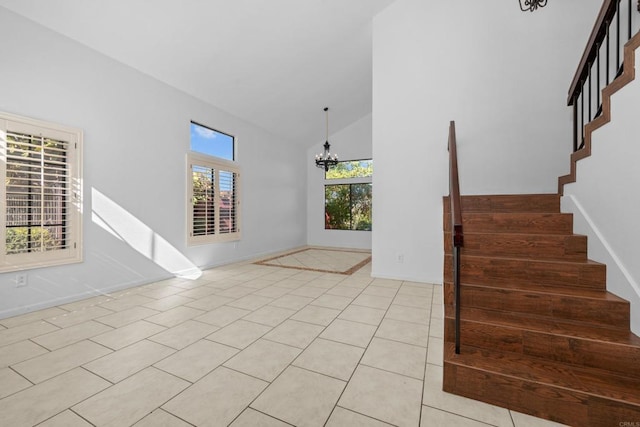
(244,345)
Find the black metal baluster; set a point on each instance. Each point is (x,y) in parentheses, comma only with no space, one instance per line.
(608,44)
(598,81)
(589,116)
(575,124)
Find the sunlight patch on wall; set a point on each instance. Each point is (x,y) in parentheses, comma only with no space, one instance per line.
(124,226)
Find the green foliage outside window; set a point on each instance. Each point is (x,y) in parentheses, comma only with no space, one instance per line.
(348,207)
(351,169)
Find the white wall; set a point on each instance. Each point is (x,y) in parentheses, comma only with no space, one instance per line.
(604,199)
(136,135)
(351,143)
(503,76)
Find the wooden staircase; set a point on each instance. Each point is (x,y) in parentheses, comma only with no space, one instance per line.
(539,332)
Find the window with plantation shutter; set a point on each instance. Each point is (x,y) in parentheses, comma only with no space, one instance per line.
(41,166)
(213,209)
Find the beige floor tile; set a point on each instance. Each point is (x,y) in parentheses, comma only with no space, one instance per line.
(132,399)
(167,303)
(387,283)
(272,292)
(209,303)
(239,334)
(252,418)
(125,317)
(65,419)
(416,289)
(127,335)
(409,314)
(263,359)
(330,358)
(126,301)
(435,417)
(72,334)
(358,313)
(10,382)
(380,291)
(289,283)
(292,302)
(23,319)
(175,316)
(184,334)
(270,315)
(524,420)
(394,356)
(87,302)
(332,301)
(250,302)
(412,301)
(437,328)
(385,396)
(79,316)
(294,333)
(344,291)
(197,360)
(40,402)
(18,352)
(162,292)
(410,333)
(373,301)
(222,316)
(300,397)
(23,332)
(435,351)
(308,291)
(343,417)
(434,397)
(217,399)
(197,293)
(345,331)
(317,315)
(49,365)
(125,362)
(160,418)
(235,292)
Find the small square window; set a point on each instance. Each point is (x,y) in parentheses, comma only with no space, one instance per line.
(211,142)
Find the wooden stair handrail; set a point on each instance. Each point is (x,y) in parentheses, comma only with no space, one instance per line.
(607,11)
(456,225)
(454,188)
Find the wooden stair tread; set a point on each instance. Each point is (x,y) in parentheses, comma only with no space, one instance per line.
(553,290)
(589,381)
(511,203)
(581,330)
(515,222)
(520,245)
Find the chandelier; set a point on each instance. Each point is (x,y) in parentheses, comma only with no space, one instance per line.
(326,160)
(531,5)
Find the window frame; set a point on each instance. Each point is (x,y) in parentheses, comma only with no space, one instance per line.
(327,182)
(218,165)
(73,250)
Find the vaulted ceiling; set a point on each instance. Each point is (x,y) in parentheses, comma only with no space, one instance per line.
(275,63)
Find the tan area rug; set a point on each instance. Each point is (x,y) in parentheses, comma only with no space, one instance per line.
(322,260)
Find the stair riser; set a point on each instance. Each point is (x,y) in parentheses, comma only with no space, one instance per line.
(523,223)
(541,400)
(509,203)
(602,312)
(500,271)
(547,247)
(608,356)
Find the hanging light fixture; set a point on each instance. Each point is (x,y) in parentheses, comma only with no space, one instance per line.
(531,5)
(326,160)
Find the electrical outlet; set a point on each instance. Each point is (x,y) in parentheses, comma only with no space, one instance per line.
(400,258)
(21,280)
